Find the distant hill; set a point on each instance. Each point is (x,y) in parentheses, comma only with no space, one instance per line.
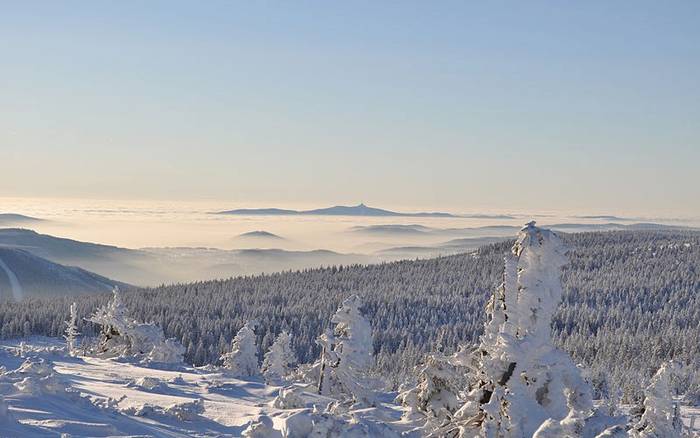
(421,230)
(24,275)
(259,235)
(338,210)
(392,229)
(13,219)
(153,266)
(132,266)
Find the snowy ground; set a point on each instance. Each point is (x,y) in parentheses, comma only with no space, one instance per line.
(114,398)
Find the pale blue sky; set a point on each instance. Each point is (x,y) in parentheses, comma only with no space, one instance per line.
(590,105)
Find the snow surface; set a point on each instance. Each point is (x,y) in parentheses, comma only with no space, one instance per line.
(111,397)
(108,397)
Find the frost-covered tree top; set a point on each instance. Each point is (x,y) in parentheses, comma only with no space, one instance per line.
(524,304)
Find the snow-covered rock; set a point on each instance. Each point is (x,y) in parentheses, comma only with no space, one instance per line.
(186,411)
(148,383)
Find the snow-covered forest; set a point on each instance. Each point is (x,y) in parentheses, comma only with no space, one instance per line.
(509,381)
(631,300)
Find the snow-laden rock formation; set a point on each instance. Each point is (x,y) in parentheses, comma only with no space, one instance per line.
(522,384)
(242,360)
(661,417)
(122,336)
(280,359)
(347,354)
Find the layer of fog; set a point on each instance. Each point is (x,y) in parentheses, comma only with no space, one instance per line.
(154,243)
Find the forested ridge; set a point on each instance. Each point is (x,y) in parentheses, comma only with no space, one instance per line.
(631,300)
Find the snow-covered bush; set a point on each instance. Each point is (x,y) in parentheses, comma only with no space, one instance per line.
(72,332)
(279,359)
(242,360)
(122,336)
(346,355)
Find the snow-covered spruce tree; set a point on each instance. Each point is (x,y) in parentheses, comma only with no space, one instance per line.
(347,354)
(242,360)
(279,359)
(521,380)
(660,417)
(72,332)
(122,336)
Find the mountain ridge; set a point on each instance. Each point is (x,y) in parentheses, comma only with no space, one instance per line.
(337,210)
(23,274)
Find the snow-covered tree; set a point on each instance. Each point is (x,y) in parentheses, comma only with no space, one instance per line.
(123,336)
(279,359)
(72,331)
(660,417)
(436,396)
(347,353)
(115,326)
(522,380)
(242,360)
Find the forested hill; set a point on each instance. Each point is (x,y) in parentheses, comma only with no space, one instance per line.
(631,300)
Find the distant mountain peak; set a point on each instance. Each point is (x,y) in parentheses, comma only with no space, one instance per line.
(360,209)
(260,234)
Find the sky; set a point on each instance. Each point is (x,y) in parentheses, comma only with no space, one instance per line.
(462,106)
